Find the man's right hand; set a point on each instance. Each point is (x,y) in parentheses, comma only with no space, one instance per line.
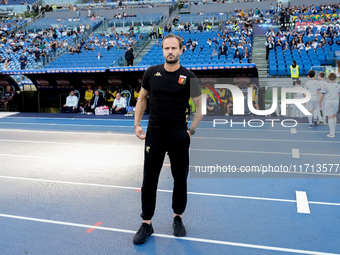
(140,133)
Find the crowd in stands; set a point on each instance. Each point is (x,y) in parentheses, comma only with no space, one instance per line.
(107,41)
(104,6)
(24,46)
(7,25)
(231,45)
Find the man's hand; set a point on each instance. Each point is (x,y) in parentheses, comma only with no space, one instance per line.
(65,105)
(140,133)
(116,109)
(189,134)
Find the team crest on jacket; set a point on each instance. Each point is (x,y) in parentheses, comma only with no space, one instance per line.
(182,79)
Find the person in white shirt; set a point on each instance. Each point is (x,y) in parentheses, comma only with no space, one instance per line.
(119,105)
(331,93)
(312,105)
(71,103)
(297,111)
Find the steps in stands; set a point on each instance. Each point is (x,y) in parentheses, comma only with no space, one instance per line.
(144,51)
(259,58)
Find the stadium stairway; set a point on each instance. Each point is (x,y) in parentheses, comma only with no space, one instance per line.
(259,58)
(144,51)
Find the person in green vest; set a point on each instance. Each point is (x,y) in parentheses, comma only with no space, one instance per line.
(54,7)
(208,27)
(294,71)
(160,32)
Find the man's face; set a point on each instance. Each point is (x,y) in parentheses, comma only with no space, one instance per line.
(171,51)
(72,93)
(8,88)
(96,93)
(118,96)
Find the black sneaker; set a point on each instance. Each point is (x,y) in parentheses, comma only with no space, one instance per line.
(315,122)
(179,229)
(144,231)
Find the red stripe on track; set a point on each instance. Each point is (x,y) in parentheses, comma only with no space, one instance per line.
(91,229)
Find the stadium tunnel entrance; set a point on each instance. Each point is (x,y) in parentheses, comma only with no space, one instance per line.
(47,89)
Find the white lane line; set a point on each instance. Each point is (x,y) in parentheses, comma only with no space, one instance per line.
(66,132)
(267,152)
(162,190)
(198,138)
(293,131)
(295,153)
(302,202)
(79,132)
(24,156)
(193,239)
(75,143)
(71,125)
(263,140)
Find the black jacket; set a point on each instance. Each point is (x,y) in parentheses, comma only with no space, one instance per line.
(100,101)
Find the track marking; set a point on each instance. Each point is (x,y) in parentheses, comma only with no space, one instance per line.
(295,153)
(302,202)
(70,125)
(162,190)
(193,239)
(73,143)
(91,229)
(266,140)
(267,152)
(65,132)
(293,131)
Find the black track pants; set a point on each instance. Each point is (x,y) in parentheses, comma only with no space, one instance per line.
(156,145)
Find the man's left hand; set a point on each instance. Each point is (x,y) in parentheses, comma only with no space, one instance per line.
(189,133)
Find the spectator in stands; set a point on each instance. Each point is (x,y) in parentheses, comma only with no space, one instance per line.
(214,53)
(200,27)
(187,27)
(237,55)
(119,104)
(96,101)
(129,56)
(71,103)
(23,61)
(7,97)
(269,45)
(36,54)
(181,27)
(99,56)
(222,50)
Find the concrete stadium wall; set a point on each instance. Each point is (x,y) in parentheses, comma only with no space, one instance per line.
(106,13)
(231,6)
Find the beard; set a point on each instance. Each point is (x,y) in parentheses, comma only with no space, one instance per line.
(172,61)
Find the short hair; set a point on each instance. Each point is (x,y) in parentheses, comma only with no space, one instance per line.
(322,75)
(298,81)
(332,76)
(172,36)
(294,62)
(311,73)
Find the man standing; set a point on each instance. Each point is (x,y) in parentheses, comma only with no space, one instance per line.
(129,56)
(170,86)
(23,61)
